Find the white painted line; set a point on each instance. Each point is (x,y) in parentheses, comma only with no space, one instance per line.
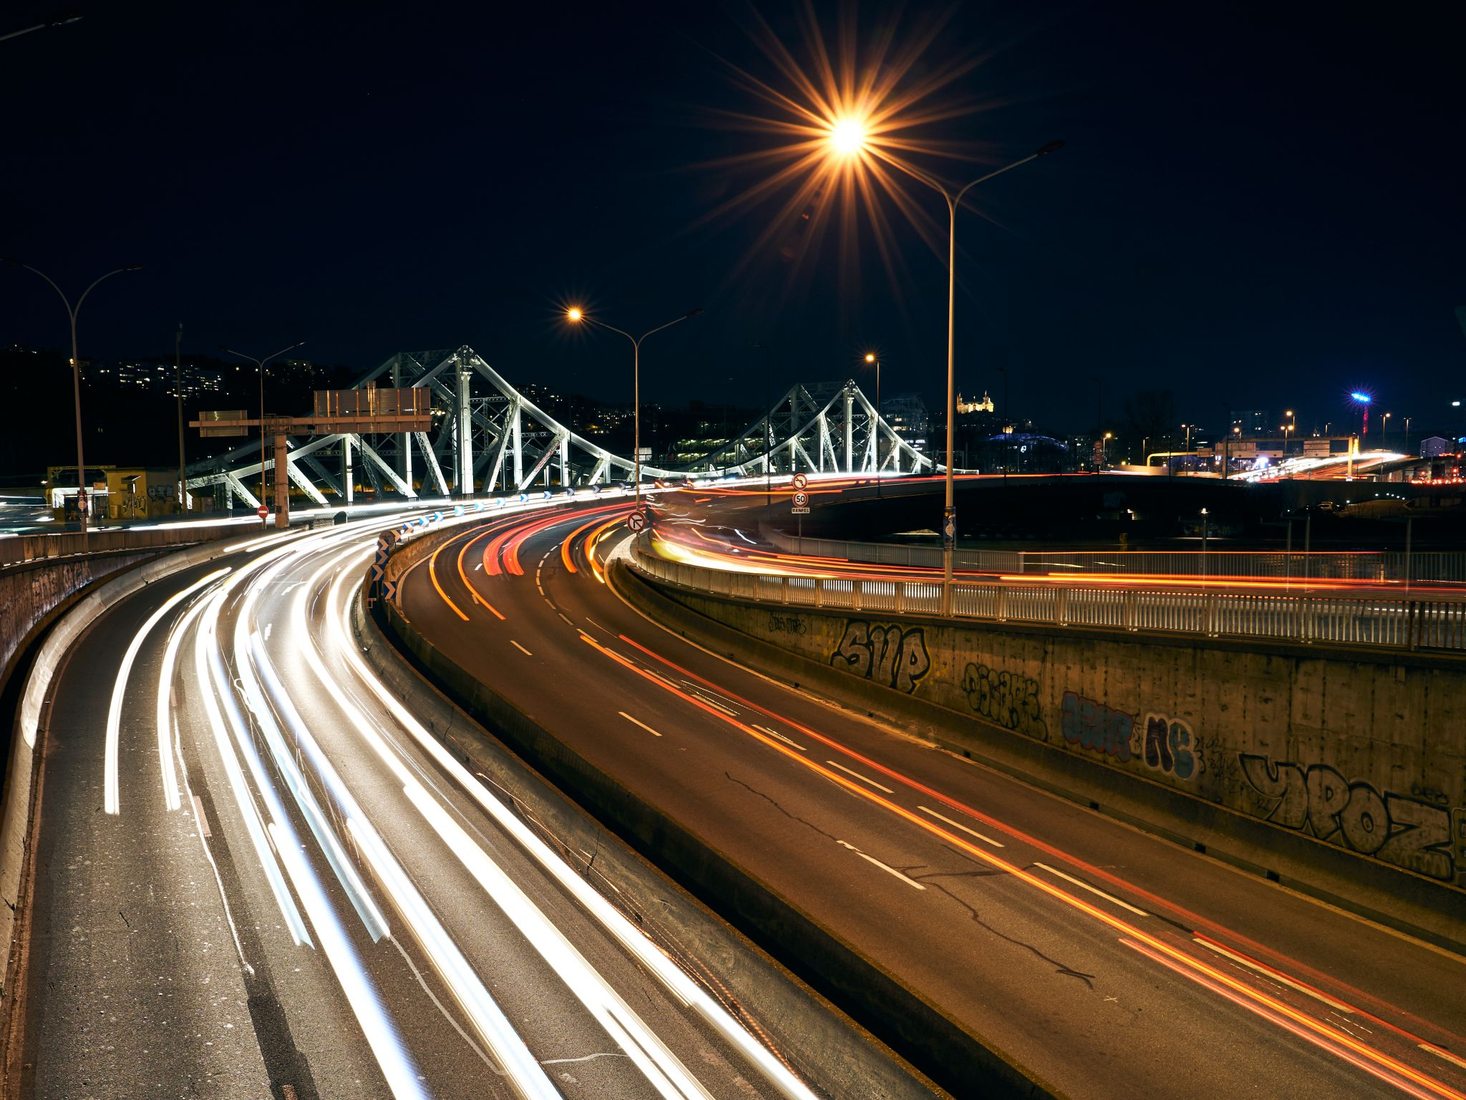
(964,828)
(1446,1054)
(634,722)
(198,815)
(1243,960)
(883,866)
(860,777)
(1092,889)
(565,618)
(521,648)
(777,736)
(713,703)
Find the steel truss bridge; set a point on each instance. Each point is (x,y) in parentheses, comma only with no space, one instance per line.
(487,437)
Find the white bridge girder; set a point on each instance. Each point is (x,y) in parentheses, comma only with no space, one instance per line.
(489,437)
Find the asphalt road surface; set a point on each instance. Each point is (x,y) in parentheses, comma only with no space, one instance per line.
(257,875)
(1104,961)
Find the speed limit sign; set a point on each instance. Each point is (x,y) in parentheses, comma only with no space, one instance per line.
(636,522)
(801,481)
(801,499)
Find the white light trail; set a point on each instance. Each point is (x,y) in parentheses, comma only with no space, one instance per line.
(656,962)
(111,793)
(172,799)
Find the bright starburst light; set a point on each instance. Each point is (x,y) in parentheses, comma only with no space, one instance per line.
(849,113)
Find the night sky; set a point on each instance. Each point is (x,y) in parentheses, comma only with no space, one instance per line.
(1257,206)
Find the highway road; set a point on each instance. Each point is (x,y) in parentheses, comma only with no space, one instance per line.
(1104,961)
(259,875)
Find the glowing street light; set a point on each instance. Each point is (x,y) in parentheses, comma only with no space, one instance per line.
(848,138)
(576,315)
(71,312)
(873,359)
(1359,397)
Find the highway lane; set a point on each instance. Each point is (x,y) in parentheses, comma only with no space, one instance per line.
(258,875)
(1105,961)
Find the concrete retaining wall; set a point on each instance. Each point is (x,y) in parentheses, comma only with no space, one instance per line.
(1342,772)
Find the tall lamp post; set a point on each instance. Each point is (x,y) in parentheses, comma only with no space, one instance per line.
(577,315)
(848,139)
(875,360)
(260,363)
(71,312)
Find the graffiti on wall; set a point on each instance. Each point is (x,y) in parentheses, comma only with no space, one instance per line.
(1007,698)
(1170,746)
(887,653)
(1089,724)
(1318,800)
(1162,743)
(787,624)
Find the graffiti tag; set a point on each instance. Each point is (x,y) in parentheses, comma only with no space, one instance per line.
(1006,698)
(1318,800)
(1092,725)
(887,653)
(1169,746)
(787,624)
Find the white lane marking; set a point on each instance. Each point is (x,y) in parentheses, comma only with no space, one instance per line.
(886,867)
(634,722)
(1096,891)
(111,784)
(521,648)
(712,703)
(777,736)
(564,618)
(964,828)
(1446,1054)
(1243,960)
(862,778)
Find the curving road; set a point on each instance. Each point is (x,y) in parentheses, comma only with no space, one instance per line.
(1101,960)
(258,874)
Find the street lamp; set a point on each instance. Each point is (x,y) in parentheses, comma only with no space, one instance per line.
(1384,431)
(261,364)
(872,358)
(576,315)
(71,312)
(848,138)
(1362,399)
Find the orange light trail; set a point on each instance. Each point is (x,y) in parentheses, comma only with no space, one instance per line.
(1331,1036)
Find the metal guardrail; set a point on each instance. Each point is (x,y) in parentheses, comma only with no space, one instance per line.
(1382,566)
(1384,621)
(24,548)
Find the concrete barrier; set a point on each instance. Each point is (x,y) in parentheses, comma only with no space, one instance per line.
(807,1034)
(1314,767)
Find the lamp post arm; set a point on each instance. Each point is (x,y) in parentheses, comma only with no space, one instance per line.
(88,290)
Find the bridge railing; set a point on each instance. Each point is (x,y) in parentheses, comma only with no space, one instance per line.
(1390,621)
(1384,566)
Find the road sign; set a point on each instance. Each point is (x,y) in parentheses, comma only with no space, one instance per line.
(636,522)
(799,511)
(262,511)
(801,499)
(801,481)
(949,527)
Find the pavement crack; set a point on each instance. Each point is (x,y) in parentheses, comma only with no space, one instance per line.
(977,918)
(774,803)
